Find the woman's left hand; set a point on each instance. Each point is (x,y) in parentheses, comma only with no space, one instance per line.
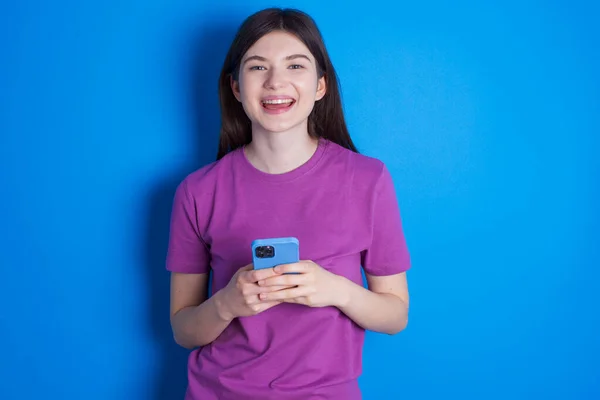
(314,286)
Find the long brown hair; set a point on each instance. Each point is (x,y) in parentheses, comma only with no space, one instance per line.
(327,117)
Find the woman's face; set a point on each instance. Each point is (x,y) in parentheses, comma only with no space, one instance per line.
(278,83)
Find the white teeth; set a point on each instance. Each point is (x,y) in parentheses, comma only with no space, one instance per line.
(279,101)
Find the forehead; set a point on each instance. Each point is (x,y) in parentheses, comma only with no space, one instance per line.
(277,45)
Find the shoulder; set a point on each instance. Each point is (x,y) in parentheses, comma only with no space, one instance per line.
(203,181)
(363,169)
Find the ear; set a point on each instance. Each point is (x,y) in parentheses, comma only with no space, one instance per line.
(321,88)
(235,88)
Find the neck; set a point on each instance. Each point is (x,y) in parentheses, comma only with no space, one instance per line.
(280,152)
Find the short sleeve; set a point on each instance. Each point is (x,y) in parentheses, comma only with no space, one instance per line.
(187,252)
(388,252)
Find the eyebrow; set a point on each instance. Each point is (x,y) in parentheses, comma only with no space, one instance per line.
(288,58)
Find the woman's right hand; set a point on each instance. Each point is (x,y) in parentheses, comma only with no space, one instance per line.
(240,298)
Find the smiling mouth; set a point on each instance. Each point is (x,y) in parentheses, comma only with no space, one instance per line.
(278,104)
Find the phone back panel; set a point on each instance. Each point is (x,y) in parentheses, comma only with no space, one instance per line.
(281,251)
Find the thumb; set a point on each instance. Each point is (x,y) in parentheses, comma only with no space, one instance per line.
(243,272)
(248,267)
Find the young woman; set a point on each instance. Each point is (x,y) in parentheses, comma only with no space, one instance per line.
(286,166)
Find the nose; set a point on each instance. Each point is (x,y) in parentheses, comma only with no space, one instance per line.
(274,79)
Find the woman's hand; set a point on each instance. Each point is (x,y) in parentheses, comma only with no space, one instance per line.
(240,298)
(308,284)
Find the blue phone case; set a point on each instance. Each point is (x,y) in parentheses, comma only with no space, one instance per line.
(267,253)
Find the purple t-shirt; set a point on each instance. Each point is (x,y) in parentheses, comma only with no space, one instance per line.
(342,207)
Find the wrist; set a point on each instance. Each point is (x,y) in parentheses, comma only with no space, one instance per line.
(343,292)
(220,300)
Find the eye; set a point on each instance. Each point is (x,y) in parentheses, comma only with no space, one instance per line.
(257,68)
(296,66)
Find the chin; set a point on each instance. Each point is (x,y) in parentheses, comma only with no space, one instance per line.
(279,127)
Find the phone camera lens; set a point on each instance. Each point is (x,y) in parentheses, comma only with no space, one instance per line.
(265,252)
(269,252)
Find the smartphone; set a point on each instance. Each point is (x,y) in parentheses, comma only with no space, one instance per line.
(267,253)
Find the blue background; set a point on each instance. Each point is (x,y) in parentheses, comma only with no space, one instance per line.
(487,115)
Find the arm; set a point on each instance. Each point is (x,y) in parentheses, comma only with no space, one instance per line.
(381,308)
(384,307)
(195,320)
